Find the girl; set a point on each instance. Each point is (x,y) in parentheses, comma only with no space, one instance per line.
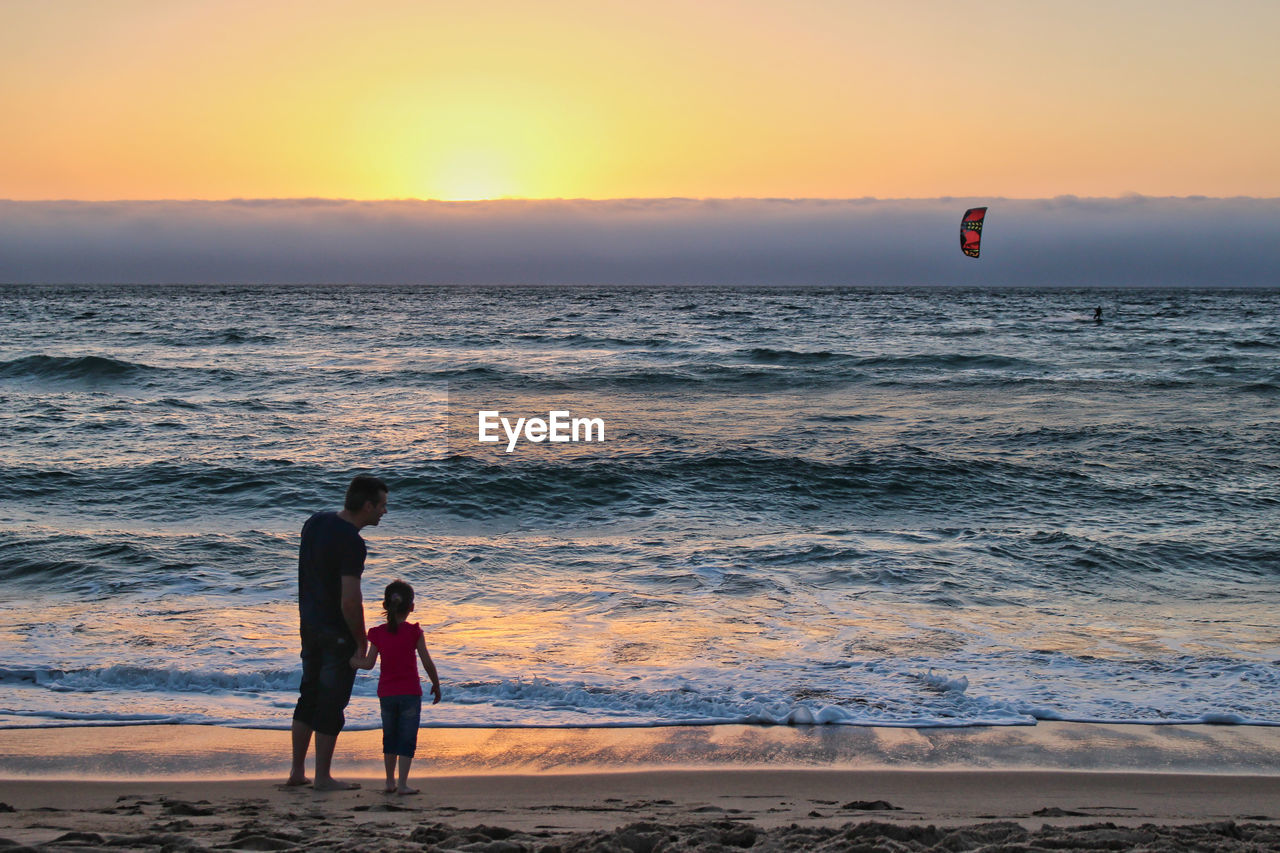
(399,686)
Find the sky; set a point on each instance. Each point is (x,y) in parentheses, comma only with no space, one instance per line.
(600,99)
(1117,142)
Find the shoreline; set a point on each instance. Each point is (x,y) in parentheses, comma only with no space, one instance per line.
(213,752)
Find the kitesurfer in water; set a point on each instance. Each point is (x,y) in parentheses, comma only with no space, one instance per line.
(1097,314)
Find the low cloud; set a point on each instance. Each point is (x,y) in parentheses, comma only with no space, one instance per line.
(1135,241)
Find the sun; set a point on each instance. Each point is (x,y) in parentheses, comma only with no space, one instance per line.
(473,137)
(473,174)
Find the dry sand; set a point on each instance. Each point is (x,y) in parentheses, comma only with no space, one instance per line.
(659,789)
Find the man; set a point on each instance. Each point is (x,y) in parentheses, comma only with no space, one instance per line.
(331,624)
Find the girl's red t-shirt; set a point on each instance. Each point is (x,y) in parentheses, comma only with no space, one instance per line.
(398,673)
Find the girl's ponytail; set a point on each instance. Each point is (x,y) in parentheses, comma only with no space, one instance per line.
(397,601)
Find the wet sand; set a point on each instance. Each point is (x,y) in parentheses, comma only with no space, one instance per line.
(188,788)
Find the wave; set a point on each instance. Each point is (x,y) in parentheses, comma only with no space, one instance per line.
(698,376)
(953,361)
(476,488)
(101,566)
(1063,562)
(85,367)
(784,356)
(756,368)
(214,337)
(620,706)
(150,679)
(939,699)
(583,341)
(95,371)
(522,702)
(52,719)
(174,484)
(962,332)
(1265,388)
(549,485)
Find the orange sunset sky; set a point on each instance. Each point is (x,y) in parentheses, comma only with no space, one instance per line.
(602,99)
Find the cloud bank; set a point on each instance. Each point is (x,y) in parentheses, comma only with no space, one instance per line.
(1066,241)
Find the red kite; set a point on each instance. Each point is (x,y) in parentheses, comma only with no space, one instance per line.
(971,231)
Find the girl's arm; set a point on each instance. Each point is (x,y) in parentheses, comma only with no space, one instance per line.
(365,661)
(430,667)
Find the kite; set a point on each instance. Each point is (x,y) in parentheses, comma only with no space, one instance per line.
(971,231)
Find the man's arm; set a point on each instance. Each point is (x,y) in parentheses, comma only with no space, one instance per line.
(353,612)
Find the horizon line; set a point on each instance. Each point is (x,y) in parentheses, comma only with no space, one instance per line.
(1133,196)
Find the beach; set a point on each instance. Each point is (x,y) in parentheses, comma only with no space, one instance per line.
(671,788)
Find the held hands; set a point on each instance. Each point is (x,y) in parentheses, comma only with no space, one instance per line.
(357,661)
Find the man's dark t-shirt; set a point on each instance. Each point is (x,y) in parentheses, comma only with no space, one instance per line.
(331,548)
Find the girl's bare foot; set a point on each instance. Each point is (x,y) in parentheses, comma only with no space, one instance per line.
(405,789)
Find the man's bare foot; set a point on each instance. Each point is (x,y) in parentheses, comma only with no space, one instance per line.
(405,789)
(332,784)
(296,781)
(390,788)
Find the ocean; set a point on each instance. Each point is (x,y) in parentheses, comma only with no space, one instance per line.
(898,507)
